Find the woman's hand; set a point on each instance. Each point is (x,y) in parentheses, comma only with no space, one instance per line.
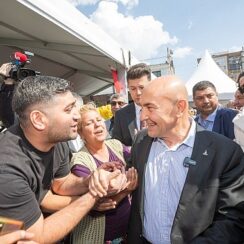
(111,166)
(117,184)
(100,180)
(105,204)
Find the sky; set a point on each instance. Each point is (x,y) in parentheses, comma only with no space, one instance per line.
(188,27)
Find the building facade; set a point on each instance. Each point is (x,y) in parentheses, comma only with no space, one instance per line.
(166,68)
(232,63)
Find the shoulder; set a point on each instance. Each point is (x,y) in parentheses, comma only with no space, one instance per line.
(239,119)
(227,112)
(218,141)
(128,108)
(62,148)
(84,158)
(114,144)
(12,148)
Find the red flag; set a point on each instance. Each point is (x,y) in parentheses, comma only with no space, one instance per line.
(117,84)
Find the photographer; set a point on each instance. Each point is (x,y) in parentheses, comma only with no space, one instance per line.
(6,93)
(10,74)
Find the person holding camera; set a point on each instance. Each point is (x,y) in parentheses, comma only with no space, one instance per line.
(6,93)
(34,162)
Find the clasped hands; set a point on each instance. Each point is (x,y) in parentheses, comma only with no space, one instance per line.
(111,178)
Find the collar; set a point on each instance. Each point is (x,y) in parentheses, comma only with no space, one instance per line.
(211,117)
(138,108)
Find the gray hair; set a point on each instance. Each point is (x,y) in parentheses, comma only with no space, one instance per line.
(117,96)
(36,90)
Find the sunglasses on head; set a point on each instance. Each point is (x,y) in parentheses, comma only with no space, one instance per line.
(113,103)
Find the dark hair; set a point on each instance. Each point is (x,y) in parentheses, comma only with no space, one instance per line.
(239,77)
(202,85)
(240,88)
(36,90)
(138,70)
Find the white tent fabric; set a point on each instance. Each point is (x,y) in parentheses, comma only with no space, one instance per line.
(209,70)
(65,43)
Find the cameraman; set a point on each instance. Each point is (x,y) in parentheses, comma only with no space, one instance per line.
(7,84)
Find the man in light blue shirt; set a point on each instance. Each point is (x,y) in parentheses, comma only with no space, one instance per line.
(164,180)
(187,184)
(211,115)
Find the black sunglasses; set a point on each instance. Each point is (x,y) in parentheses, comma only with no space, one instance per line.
(113,103)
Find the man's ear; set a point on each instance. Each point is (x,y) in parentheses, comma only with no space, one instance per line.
(38,120)
(181,105)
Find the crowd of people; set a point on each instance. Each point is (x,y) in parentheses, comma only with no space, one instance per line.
(151,174)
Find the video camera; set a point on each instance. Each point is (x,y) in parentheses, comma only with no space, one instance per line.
(19,60)
(16,73)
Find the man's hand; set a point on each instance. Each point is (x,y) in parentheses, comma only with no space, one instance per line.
(132,179)
(100,180)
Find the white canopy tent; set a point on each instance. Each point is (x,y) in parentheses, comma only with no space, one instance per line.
(65,43)
(208,70)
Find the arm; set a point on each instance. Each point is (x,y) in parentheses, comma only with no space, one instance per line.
(52,202)
(106,179)
(63,221)
(113,201)
(70,185)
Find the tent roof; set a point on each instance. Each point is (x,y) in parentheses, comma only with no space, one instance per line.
(209,70)
(65,43)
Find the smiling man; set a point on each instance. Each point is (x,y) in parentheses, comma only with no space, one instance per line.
(211,115)
(191,181)
(35,161)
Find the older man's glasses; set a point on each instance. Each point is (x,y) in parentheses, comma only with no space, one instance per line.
(114,103)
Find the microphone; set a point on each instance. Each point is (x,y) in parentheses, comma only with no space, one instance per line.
(19,59)
(189,162)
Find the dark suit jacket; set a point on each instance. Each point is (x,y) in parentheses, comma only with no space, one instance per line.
(211,207)
(125,124)
(223,122)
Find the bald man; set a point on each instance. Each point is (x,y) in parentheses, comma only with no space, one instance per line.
(190,189)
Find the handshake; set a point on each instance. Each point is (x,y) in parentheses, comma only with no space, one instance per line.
(111,179)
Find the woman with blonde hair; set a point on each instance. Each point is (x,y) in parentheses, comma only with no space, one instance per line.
(107,222)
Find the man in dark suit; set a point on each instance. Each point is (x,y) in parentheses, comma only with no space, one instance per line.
(127,119)
(191,181)
(211,116)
